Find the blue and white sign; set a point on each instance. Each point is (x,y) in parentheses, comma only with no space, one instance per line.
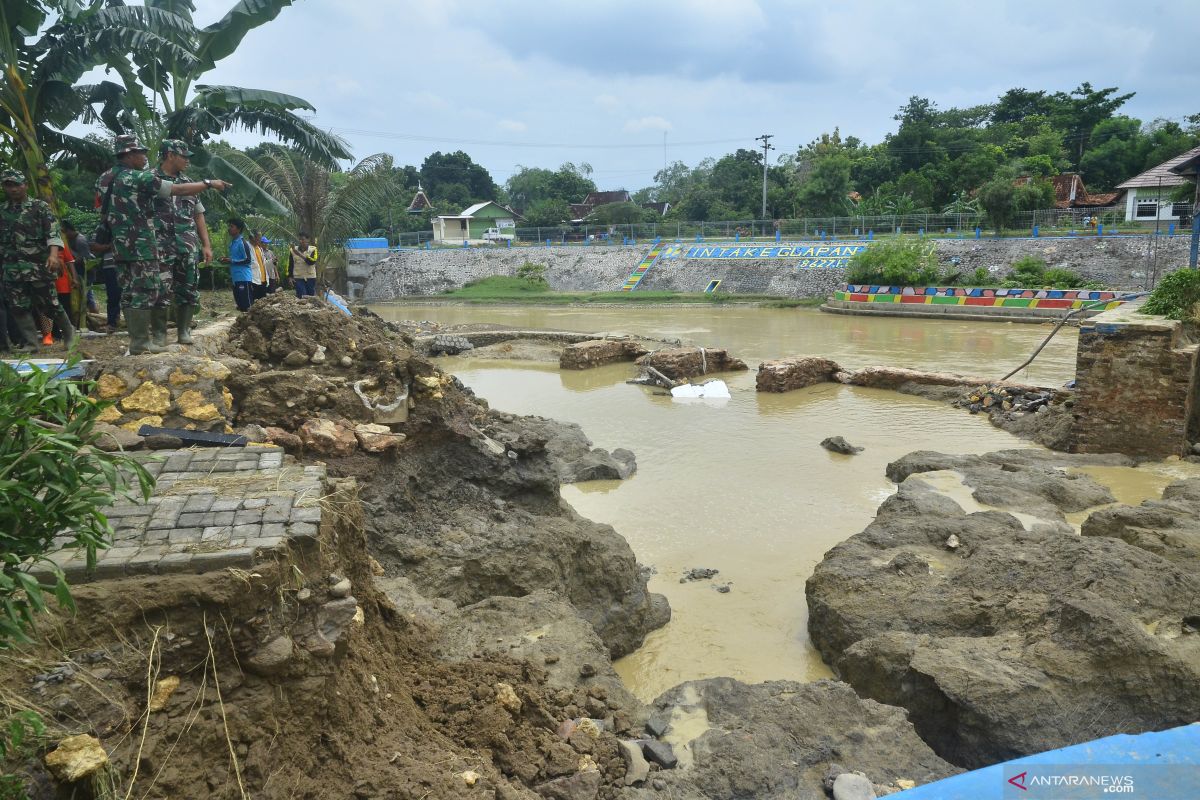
(808,256)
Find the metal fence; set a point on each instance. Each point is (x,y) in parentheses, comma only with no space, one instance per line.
(1047,221)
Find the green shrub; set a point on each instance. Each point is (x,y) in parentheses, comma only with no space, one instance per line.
(1029,269)
(981,277)
(534,274)
(1061,279)
(896,262)
(1176,296)
(54,483)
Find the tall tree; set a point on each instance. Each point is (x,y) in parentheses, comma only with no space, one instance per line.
(453,179)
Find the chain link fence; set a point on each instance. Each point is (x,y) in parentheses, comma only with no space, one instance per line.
(1047,222)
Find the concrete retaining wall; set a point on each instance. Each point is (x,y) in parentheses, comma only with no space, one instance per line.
(1117,262)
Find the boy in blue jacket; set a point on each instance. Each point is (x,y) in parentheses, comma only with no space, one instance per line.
(239,265)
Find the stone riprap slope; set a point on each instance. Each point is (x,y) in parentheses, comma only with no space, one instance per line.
(1118,262)
(431,272)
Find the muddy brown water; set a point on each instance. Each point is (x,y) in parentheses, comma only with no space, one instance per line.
(742,485)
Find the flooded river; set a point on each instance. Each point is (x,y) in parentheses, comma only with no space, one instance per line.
(742,485)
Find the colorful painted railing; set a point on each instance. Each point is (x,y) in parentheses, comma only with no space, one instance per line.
(640,271)
(996,298)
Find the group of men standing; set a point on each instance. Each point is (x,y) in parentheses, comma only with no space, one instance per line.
(157,233)
(153,234)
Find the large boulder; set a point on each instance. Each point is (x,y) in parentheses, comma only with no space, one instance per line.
(782,740)
(685,363)
(1169,527)
(564,444)
(1001,641)
(598,352)
(796,372)
(1028,481)
(468,517)
(169,390)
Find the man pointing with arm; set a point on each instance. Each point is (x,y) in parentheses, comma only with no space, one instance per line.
(146,281)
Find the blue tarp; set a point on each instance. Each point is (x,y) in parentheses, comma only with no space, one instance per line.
(56,365)
(1162,766)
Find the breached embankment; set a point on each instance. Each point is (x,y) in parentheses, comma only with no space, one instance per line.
(479,663)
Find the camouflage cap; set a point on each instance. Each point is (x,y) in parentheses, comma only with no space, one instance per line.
(126,143)
(174,146)
(12,176)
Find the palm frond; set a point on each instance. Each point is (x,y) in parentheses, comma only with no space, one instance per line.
(321,146)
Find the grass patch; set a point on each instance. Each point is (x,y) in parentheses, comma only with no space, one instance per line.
(501,289)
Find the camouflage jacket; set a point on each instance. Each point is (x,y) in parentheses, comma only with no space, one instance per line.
(27,232)
(174,220)
(131,211)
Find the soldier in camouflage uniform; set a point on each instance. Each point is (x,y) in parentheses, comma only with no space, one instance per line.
(145,280)
(29,249)
(182,237)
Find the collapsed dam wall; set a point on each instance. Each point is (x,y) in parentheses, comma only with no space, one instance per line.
(1119,262)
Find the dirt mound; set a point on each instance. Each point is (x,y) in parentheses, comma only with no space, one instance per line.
(235,713)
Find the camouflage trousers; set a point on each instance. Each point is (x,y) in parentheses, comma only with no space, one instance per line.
(144,284)
(186,277)
(28,290)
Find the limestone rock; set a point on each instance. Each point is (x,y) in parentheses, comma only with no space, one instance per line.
(797,372)
(637,769)
(180,378)
(111,438)
(149,398)
(852,786)
(135,425)
(685,363)
(163,689)
(110,387)
(598,352)
(328,438)
(75,758)
(110,415)
(193,405)
(333,620)
(376,438)
(273,657)
(1017,642)
(506,696)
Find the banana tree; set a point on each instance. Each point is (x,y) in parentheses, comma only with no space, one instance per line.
(48,45)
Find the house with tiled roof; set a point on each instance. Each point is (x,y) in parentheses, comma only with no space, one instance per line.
(1069,192)
(1148,196)
(580,211)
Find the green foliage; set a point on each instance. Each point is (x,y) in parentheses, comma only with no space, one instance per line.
(19,738)
(531,186)
(1176,296)
(501,287)
(981,277)
(1029,272)
(534,274)
(622,214)
(997,198)
(896,262)
(54,483)
(1028,268)
(547,213)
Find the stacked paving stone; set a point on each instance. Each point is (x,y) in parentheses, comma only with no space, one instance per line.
(211,509)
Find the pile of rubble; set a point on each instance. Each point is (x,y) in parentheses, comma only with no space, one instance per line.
(993,398)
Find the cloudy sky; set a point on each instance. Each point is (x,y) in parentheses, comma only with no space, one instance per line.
(539,83)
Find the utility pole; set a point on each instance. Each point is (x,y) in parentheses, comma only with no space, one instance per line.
(766,147)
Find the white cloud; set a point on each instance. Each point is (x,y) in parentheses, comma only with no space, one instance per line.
(512,125)
(653,123)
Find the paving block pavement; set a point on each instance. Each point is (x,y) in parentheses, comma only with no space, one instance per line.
(212,508)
